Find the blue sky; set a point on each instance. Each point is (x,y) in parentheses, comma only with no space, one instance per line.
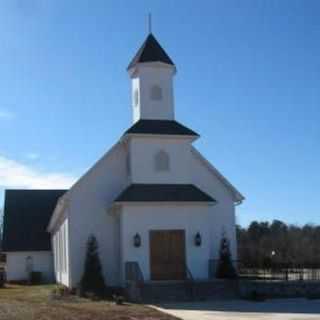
(248,81)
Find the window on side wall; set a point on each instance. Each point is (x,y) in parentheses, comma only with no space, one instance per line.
(65,246)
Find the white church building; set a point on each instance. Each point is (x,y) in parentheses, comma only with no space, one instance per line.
(152,201)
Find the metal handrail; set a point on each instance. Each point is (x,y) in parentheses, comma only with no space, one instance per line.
(133,272)
(190,283)
(189,274)
(212,267)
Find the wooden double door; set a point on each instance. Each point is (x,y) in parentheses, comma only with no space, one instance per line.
(167,255)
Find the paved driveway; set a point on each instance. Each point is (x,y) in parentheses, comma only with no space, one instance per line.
(282,309)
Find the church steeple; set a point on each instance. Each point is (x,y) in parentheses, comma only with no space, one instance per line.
(152,71)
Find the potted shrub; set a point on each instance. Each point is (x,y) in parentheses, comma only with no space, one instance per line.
(225,268)
(92,282)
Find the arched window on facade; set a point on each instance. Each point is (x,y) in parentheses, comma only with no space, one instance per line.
(156,93)
(162,161)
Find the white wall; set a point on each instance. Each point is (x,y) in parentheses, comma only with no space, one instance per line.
(92,196)
(191,218)
(16,265)
(89,201)
(210,221)
(224,219)
(146,76)
(142,157)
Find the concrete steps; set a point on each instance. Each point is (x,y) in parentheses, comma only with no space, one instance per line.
(170,291)
(216,290)
(165,291)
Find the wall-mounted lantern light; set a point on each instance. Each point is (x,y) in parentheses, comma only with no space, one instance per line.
(197,239)
(137,240)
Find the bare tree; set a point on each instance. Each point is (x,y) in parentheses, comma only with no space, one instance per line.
(263,243)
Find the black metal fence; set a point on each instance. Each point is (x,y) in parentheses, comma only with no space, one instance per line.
(274,271)
(280,271)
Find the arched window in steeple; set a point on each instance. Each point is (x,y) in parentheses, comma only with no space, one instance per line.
(162,161)
(156,93)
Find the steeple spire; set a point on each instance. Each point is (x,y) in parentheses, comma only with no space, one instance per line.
(149,23)
(150,51)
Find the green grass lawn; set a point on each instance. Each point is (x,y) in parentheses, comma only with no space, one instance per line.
(19,302)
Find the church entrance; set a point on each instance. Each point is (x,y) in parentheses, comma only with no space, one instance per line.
(167,255)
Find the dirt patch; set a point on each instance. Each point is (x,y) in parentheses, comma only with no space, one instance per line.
(35,303)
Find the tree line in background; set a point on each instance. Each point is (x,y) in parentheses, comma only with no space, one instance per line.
(263,244)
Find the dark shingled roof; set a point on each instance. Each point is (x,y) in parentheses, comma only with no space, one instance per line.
(26,217)
(165,127)
(150,51)
(163,192)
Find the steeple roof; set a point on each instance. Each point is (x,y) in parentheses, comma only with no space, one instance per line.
(150,51)
(160,127)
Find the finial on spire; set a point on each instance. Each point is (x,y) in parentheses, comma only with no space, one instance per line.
(149,23)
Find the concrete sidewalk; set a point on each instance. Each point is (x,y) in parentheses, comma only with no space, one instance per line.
(280,309)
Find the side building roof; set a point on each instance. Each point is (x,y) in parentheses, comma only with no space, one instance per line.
(26,217)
